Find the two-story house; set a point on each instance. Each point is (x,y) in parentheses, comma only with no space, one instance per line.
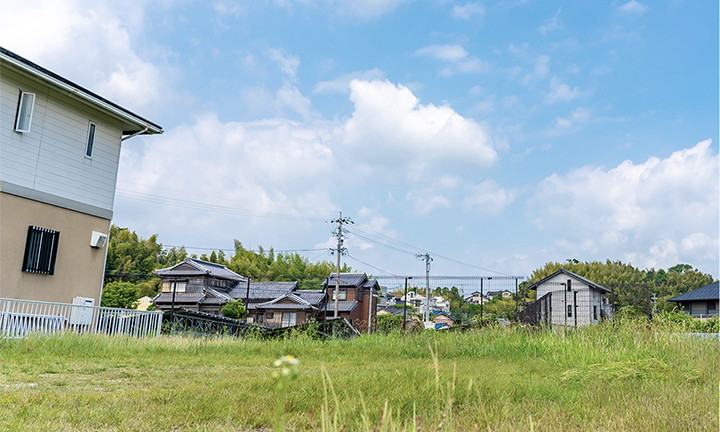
(567,299)
(357,299)
(59,154)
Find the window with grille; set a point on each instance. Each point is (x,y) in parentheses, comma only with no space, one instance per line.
(26,104)
(41,250)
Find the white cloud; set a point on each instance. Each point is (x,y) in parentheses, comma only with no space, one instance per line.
(656,214)
(341,84)
(425,201)
(457,58)
(288,63)
(633,7)
(540,71)
(109,63)
(451,53)
(578,116)
(466,12)
(228,8)
(367,8)
(551,25)
(390,124)
(561,92)
(488,197)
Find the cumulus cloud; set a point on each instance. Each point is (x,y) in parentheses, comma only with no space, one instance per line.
(466,12)
(108,62)
(655,214)
(390,124)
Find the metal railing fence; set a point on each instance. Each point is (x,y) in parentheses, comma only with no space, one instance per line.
(19,318)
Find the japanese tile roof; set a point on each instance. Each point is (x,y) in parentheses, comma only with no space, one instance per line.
(347,279)
(221,296)
(494,293)
(263,290)
(343,306)
(708,292)
(588,282)
(196,267)
(179,297)
(297,303)
(445,314)
(313,297)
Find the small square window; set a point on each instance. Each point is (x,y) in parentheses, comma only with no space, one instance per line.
(41,250)
(270,315)
(259,317)
(26,105)
(90,141)
(342,294)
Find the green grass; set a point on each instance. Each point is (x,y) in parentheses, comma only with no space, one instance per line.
(629,376)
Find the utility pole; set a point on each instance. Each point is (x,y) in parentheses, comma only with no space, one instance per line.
(340,250)
(428,260)
(404,327)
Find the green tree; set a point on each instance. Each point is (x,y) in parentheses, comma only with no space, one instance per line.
(119,295)
(233,309)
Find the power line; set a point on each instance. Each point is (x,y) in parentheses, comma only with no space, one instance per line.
(217,249)
(400,244)
(185,192)
(370,265)
(214,208)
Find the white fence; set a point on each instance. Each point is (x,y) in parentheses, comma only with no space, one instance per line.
(21,317)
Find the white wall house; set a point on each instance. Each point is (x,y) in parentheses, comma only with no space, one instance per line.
(476,298)
(574,301)
(59,154)
(439,303)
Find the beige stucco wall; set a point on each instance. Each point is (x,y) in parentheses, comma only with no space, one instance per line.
(79,268)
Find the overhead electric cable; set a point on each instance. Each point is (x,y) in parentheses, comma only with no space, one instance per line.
(218,249)
(214,208)
(370,265)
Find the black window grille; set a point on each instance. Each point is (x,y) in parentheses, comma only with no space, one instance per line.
(41,250)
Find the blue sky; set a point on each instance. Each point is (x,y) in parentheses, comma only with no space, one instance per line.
(501,134)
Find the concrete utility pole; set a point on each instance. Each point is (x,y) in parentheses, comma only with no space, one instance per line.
(340,250)
(428,260)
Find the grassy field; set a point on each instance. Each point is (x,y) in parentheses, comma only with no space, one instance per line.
(626,376)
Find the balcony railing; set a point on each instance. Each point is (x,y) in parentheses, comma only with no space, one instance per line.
(19,318)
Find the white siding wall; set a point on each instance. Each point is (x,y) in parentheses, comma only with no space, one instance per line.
(586,299)
(51,157)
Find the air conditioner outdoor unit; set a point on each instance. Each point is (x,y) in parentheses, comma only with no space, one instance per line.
(98,239)
(81,315)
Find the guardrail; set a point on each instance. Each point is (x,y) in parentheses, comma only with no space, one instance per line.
(19,318)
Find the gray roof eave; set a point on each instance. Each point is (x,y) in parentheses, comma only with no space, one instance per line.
(142,125)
